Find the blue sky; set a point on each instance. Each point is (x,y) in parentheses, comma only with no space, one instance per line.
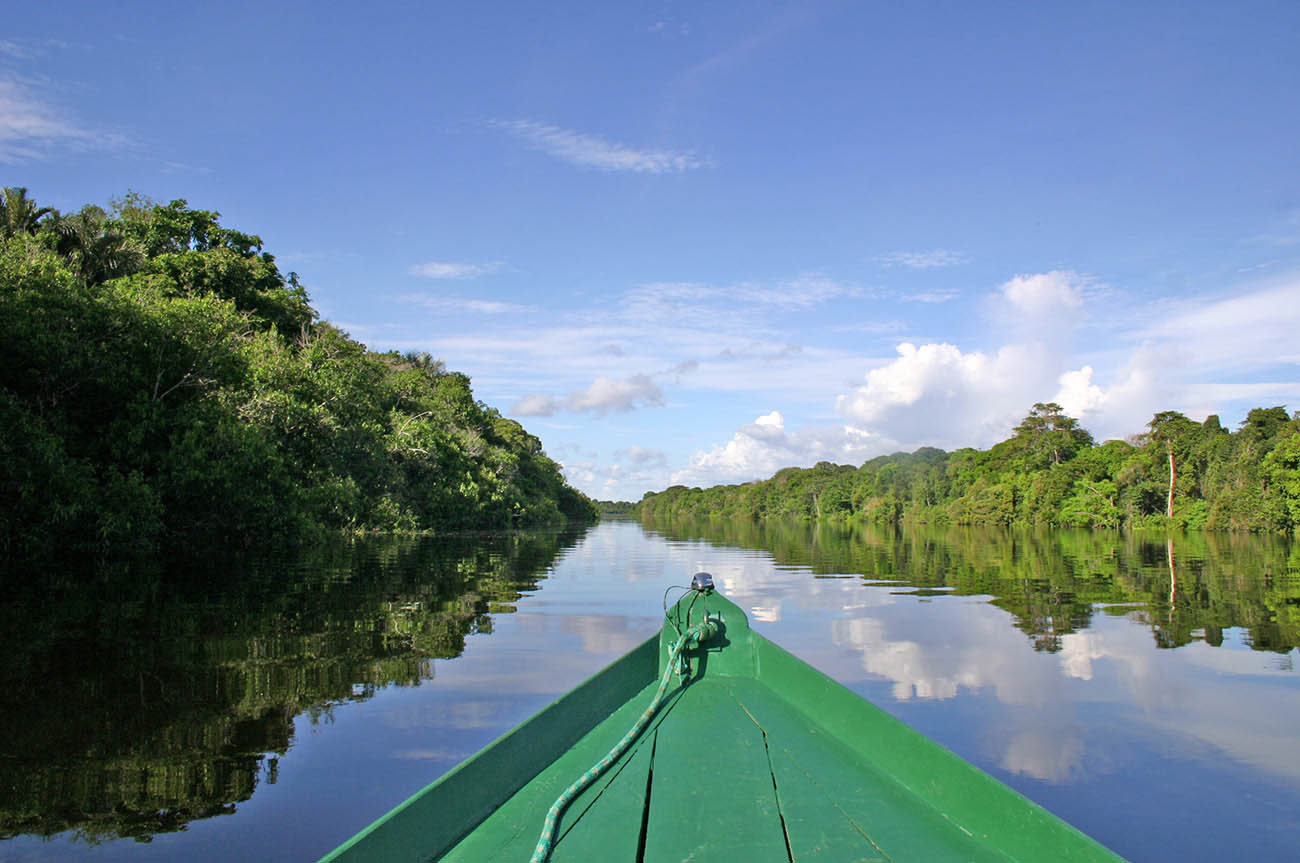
(698,242)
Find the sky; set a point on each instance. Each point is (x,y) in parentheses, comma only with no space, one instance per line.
(698,242)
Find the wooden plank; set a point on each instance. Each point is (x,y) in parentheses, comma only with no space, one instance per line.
(608,825)
(435,818)
(712,796)
(839,807)
(960,795)
(511,831)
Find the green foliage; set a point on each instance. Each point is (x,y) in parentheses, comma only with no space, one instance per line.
(161,379)
(1049,472)
(136,699)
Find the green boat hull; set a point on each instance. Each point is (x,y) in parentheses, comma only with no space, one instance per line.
(755,757)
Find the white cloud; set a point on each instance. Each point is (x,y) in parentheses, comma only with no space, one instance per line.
(1044,294)
(604,396)
(29,127)
(590,151)
(760,449)
(1078,395)
(938,395)
(536,405)
(460,304)
(801,293)
(455,270)
(930,297)
(642,455)
(1250,330)
(923,260)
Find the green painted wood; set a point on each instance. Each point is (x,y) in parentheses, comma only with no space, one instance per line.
(511,831)
(818,830)
(758,750)
(435,818)
(610,828)
(712,796)
(729,653)
(963,795)
(837,805)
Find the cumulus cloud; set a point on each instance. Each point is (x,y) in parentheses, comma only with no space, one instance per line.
(938,395)
(604,396)
(455,270)
(591,151)
(764,446)
(1044,294)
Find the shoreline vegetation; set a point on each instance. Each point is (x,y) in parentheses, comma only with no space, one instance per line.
(161,381)
(1177,474)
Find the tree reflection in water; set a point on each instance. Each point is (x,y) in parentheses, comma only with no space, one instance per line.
(139,698)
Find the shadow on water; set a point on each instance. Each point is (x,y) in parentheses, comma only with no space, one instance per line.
(1188,587)
(137,698)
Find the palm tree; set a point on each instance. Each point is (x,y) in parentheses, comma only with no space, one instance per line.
(19,213)
(93,247)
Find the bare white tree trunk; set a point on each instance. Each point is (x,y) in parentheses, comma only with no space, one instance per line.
(1169,509)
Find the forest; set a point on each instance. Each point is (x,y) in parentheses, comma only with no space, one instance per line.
(162,381)
(1176,473)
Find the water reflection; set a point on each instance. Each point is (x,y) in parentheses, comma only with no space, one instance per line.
(136,700)
(1148,705)
(1124,681)
(1186,588)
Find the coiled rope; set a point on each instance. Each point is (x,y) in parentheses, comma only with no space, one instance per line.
(692,637)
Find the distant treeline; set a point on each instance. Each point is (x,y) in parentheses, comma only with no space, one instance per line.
(162,380)
(1050,472)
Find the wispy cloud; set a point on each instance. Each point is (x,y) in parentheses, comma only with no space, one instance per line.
(803,292)
(455,269)
(592,151)
(930,260)
(741,304)
(31,127)
(1287,232)
(642,455)
(604,396)
(929,297)
(461,304)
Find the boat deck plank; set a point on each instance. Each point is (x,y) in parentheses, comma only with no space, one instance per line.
(712,794)
(759,758)
(837,805)
(738,772)
(510,833)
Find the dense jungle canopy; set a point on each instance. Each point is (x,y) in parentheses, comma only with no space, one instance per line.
(1177,473)
(162,380)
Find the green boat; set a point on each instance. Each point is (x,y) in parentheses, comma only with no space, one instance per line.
(709,742)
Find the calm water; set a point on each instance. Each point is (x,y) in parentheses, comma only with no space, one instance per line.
(1145,690)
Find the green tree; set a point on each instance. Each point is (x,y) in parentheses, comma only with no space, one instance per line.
(19,213)
(1047,436)
(1281,468)
(1171,433)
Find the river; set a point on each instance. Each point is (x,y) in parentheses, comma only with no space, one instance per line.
(1143,688)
